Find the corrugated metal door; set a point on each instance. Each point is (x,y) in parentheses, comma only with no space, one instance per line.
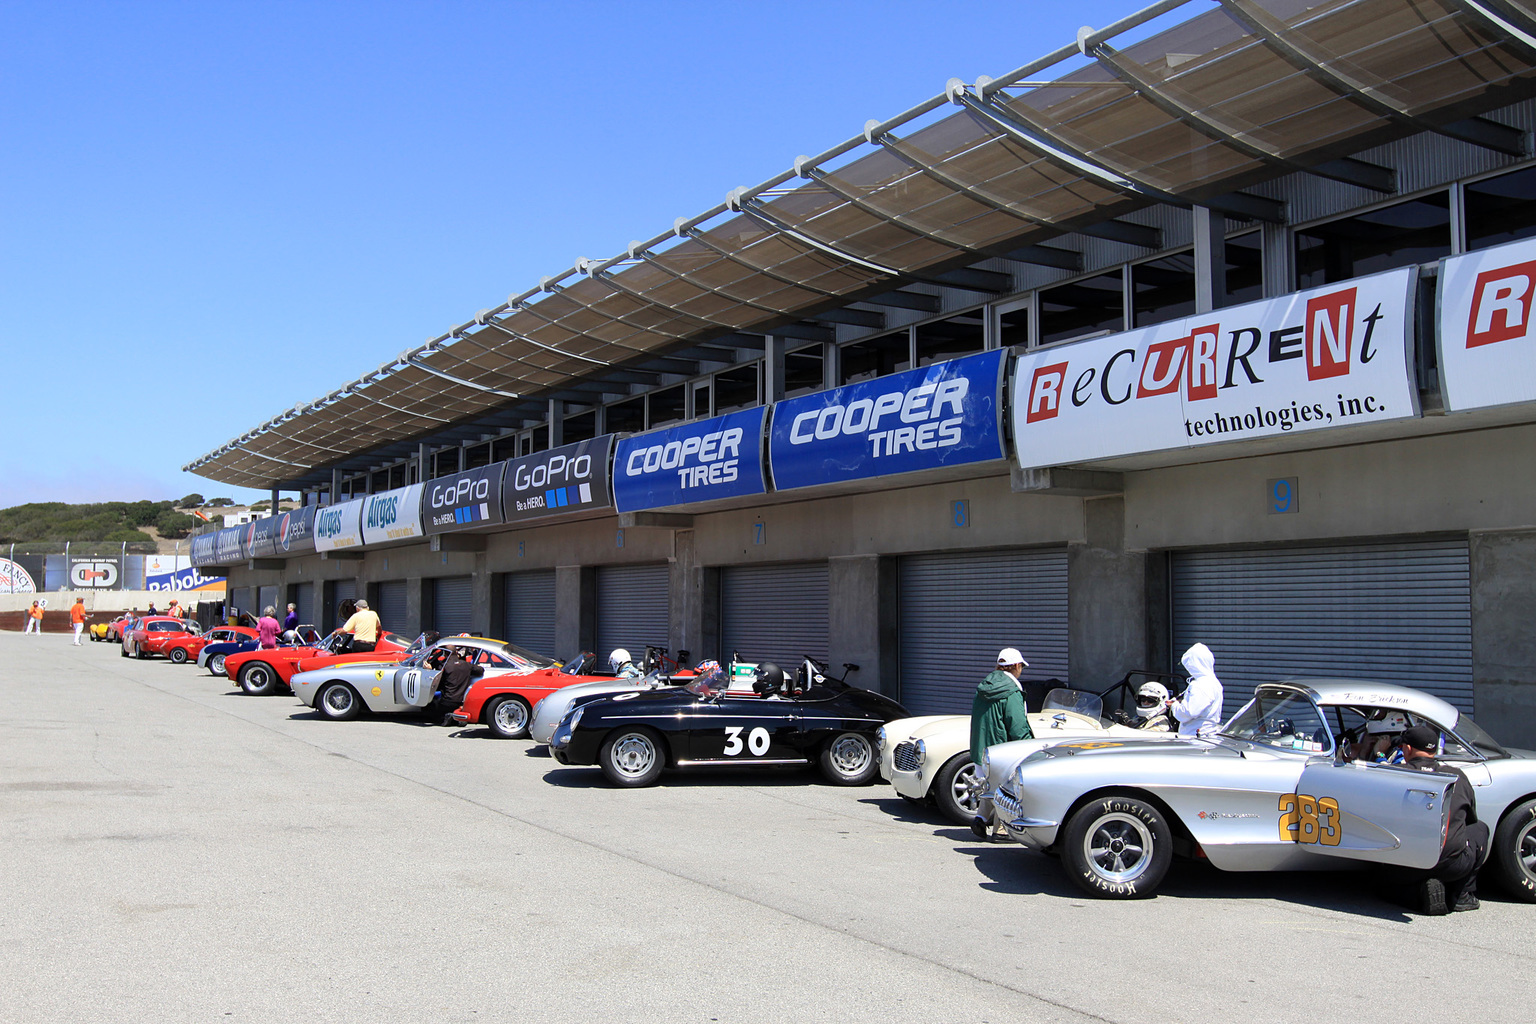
(453,605)
(391,607)
(633,608)
(774,613)
(239,600)
(304,597)
(1395,612)
(958,610)
(345,590)
(529,600)
(266,597)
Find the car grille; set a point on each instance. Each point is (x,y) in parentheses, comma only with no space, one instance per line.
(904,757)
(1007,804)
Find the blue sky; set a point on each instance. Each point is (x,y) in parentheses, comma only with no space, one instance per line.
(212,211)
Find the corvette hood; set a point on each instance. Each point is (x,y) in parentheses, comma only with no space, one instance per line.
(1117,746)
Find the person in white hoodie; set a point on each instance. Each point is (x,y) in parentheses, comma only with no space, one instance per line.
(1199,709)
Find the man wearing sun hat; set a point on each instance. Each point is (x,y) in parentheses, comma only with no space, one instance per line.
(997,710)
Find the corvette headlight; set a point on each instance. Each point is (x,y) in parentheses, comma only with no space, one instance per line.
(984,764)
(922,752)
(880,741)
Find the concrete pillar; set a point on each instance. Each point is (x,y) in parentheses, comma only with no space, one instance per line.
(831,365)
(773,369)
(862,620)
(335,486)
(480,589)
(418,606)
(275,495)
(1503,585)
(1210,259)
(1107,613)
(423,469)
(496,603)
(575,610)
(695,603)
(556,419)
(1278,245)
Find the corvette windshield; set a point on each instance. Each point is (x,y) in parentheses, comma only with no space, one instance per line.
(1282,719)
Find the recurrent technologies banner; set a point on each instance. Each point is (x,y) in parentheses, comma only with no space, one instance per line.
(703,461)
(1327,357)
(1487,352)
(947,414)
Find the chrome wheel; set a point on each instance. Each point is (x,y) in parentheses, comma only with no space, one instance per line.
(257,679)
(338,701)
(849,760)
(957,790)
(216,664)
(509,718)
(633,756)
(1118,848)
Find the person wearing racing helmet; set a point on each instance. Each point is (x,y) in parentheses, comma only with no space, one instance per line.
(1152,702)
(771,682)
(622,666)
(1379,740)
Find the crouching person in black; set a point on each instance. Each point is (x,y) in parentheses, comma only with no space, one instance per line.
(452,686)
(1452,883)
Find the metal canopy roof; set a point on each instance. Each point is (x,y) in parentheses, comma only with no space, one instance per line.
(1245,91)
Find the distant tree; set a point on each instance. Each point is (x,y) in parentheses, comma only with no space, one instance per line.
(193,500)
(130,536)
(261,506)
(218,502)
(175,525)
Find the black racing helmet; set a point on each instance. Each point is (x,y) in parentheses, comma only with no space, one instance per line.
(770,679)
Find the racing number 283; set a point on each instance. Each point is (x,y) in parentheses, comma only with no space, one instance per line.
(1309,819)
(757,741)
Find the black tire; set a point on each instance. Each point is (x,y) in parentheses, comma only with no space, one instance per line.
(178,655)
(1117,847)
(957,788)
(632,757)
(849,759)
(1513,856)
(216,665)
(258,679)
(338,702)
(122,651)
(508,716)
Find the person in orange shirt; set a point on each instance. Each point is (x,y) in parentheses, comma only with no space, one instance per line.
(77,617)
(34,618)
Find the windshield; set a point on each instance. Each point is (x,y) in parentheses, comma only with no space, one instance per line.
(1090,705)
(1282,719)
(709,683)
(526,658)
(1473,733)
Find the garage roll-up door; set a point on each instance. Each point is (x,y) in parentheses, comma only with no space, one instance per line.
(959,610)
(1394,612)
(774,613)
(529,600)
(453,605)
(304,597)
(239,601)
(632,608)
(391,607)
(345,590)
(266,597)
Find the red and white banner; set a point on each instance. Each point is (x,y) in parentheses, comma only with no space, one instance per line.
(1327,357)
(1487,350)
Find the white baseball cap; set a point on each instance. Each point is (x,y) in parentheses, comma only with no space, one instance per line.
(1010,656)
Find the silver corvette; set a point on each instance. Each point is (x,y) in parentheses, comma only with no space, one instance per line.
(343,691)
(1276,790)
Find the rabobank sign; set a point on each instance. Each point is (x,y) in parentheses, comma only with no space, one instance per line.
(684,465)
(392,515)
(947,414)
(339,526)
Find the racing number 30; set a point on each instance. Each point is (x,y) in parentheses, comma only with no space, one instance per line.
(1309,819)
(757,741)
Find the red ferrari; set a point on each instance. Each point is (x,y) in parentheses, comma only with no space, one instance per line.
(188,648)
(262,672)
(158,634)
(505,703)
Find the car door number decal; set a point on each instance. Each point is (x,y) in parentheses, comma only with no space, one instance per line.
(1309,819)
(757,741)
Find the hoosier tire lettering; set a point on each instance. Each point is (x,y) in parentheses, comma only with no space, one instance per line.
(1118,847)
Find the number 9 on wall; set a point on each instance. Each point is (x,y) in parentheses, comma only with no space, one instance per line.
(1281,495)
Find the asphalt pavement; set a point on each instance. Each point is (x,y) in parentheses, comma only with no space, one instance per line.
(173,850)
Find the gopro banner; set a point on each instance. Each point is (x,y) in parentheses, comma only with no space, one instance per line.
(228,547)
(947,414)
(298,530)
(1326,357)
(339,526)
(714,458)
(1487,349)
(571,478)
(263,537)
(393,515)
(94,573)
(462,501)
(177,572)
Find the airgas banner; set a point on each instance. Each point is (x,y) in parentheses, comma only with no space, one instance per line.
(704,461)
(263,537)
(298,530)
(1327,357)
(228,546)
(463,501)
(1487,347)
(947,414)
(339,526)
(393,515)
(571,478)
(177,572)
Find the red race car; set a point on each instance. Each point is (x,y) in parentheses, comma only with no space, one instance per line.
(505,703)
(116,626)
(158,634)
(189,648)
(263,672)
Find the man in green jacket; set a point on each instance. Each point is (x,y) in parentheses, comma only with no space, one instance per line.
(997,710)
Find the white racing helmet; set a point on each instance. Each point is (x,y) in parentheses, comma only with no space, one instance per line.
(1389,723)
(619,658)
(1150,698)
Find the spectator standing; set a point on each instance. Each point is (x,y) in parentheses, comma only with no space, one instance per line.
(997,711)
(291,620)
(266,628)
(364,626)
(77,617)
(34,619)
